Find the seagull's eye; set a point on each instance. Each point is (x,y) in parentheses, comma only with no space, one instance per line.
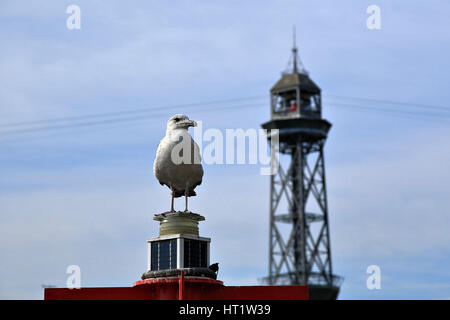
(176,119)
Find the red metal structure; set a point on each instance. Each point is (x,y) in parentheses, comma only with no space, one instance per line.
(181,288)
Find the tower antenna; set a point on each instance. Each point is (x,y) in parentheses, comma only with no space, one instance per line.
(294,53)
(294,34)
(295,65)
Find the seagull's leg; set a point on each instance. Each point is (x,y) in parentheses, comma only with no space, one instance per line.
(186,199)
(171,203)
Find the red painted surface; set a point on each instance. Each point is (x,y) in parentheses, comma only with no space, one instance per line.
(181,286)
(192,288)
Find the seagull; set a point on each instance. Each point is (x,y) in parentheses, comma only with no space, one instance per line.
(178,162)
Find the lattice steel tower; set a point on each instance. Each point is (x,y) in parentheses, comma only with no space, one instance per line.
(299,242)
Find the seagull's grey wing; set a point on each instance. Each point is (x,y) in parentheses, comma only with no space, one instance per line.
(197,168)
(159,165)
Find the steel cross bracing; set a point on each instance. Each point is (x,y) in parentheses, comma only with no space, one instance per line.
(301,255)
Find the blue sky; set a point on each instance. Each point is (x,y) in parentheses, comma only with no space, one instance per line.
(86,195)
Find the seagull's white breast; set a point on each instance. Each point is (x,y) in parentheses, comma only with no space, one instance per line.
(167,167)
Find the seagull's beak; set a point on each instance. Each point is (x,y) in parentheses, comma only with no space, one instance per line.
(187,123)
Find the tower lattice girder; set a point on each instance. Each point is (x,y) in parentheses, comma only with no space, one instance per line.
(304,254)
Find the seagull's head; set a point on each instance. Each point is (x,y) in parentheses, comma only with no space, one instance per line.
(180,121)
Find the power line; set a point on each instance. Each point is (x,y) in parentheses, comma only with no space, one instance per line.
(415,105)
(151,109)
(146,114)
(119,113)
(108,121)
(126,121)
(422,114)
(391,113)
